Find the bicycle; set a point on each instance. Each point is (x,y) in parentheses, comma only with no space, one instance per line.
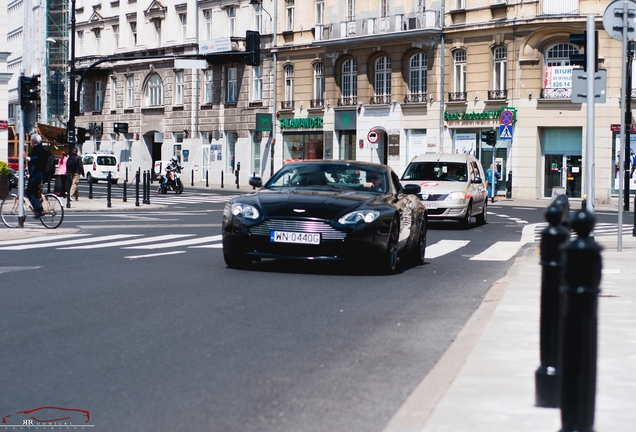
(51,206)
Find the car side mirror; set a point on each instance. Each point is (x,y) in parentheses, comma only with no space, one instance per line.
(412,189)
(256,182)
(477,180)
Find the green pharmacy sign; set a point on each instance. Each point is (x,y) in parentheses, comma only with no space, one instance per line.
(479,115)
(300,123)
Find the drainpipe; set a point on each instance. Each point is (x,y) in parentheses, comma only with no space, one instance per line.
(442,50)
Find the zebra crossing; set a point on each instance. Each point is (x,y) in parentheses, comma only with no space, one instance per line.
(190,198)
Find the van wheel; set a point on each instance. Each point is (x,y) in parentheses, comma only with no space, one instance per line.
(481,217)
(465,222)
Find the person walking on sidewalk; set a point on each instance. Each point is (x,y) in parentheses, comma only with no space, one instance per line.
(75,168)
(492,177)
(61,173)
(36,159)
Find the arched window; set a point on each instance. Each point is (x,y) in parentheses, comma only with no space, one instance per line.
(289,87)
(500,56)
(154,91)
(382,80)
(559,55)
(558,74)
(349,82)
(460,70)
(319,83)
(418,76)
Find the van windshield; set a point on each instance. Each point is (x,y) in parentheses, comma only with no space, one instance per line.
(441,171)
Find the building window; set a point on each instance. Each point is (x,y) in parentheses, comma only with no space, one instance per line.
(179,88)
(257,137)
(113,93)
(98,33)
(350,81)
(82,97)
(130,92)
(320,11)
(290,15)
(460,71)
(231,15)
(384,8)
(289,83)
(257,93)
(460,4)
(558,79)
(418,74)
(500,55)
(231,85)
(258,17)
(383,76)
(319,82)
(116,34)
(208,87)
(183,18)
(133,31)
(207,16)
(351,10)
(154,91)
(99,95)
(157,25)
(559,55)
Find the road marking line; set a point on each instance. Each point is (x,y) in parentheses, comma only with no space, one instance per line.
(179,243)
(71,242)
(444,247)
(130,242)
(210,246)
(155,255)
(39,239)
(500,251)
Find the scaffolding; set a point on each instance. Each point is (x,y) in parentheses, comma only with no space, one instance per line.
(58,61)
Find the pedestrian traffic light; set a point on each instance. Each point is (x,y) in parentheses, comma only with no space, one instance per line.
(580,40)
(489,137)
(29,89)
(252,48)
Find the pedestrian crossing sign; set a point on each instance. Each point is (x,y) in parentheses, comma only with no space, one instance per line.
(505,132)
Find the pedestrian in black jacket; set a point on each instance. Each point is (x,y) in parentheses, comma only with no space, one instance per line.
(37,163)
(75,169)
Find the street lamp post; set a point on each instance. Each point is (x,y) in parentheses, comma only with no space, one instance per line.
(70,125)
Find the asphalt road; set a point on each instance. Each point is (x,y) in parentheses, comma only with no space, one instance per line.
(169,339)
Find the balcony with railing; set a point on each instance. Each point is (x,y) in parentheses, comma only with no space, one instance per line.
(556,93)
(348,101)
(497,95)
(380,100)
(317,103)
(287,105)
(457,96)
(369,26)
(413,98)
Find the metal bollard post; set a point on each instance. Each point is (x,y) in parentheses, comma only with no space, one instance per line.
(125,197)
(90,189)
(137,188)
(192,178)
(578,342)
(148,186)
(207,184)
(236,173)
(143,186)
(509,185)
(253,175)
(69,180)
(221,179)
(108,189)
(546,377)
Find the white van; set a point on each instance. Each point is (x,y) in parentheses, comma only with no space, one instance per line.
(97,166)
(453,186)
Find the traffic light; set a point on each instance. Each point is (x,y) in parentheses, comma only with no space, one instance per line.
(29,89)
(82,135)
(580,39)
(252,48)
(489,137)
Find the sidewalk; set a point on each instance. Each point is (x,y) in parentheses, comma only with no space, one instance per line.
(485,380)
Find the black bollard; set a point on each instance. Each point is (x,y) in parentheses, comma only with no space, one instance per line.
(137,188)
(108,189)
(192,178)
(207,184)
(563,201)
(579,321)
(148,187)
(221,179)
(125,197)
(144,187)
(69,180)
(253,175)
(90,188)
(509,185)
(546,376)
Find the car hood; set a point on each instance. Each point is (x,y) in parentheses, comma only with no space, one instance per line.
(323,204)
(438,187)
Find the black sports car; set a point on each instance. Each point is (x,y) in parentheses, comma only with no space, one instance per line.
(327,210)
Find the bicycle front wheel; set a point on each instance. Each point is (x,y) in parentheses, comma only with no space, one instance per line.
(53,211)
(10,210)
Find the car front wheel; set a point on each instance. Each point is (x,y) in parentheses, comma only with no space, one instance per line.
(481,217)
(468,217)
(388,263)
(418,251)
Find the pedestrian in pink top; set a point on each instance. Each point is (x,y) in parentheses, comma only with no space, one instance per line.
(61,172)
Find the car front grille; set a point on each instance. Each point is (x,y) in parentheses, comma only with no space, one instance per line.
(326,231)
(433,197)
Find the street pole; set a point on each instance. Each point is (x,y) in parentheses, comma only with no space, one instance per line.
(21,166)
(621,163)
(274,89)
(70,126)
(628,123)
(589,146)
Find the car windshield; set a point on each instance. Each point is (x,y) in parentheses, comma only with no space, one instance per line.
(331,175)
(106,160)
(442,171)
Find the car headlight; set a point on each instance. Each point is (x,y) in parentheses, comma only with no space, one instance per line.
(456,196)
(360,216)
(245,210)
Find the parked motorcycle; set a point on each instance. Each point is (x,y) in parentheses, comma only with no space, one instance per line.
(171,180)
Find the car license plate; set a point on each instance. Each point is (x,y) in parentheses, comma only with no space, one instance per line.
(430,205)
(294,237)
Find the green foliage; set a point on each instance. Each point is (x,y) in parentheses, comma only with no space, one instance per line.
(4,168)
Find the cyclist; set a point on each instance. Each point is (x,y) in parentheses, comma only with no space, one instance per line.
(36,159)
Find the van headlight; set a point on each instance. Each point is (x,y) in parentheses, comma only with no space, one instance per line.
(456,196)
